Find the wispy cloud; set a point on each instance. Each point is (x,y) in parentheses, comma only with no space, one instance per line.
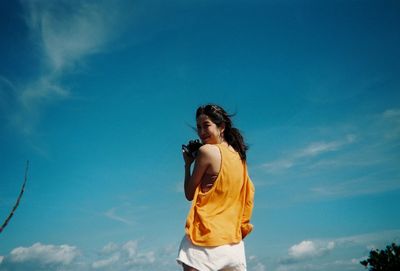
(374,164)
(314,149)
(127,212)
(364,161)
(373,134)
(68,31)
(64,34)
(353,187)
(318,148)
(391,121)
(370,240)
(111,214)
(392,113)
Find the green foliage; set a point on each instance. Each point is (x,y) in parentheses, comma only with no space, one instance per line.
(384,260)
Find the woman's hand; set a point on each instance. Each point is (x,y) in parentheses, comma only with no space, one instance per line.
(187,158)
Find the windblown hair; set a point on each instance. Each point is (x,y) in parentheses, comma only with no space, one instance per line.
(231,134)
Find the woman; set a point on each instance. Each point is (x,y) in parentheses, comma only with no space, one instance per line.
(221,193)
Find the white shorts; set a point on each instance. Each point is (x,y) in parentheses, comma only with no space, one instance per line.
(225,258)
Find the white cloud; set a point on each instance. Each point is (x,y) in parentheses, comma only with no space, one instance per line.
(254,264)
(356,260)
(47,254)
(105,262)
(41,257)
(109,248)
(126,256)
(112,257)
(306,251)
(259,267)
(309,249)
(130,249)
(305,248)
(341,253)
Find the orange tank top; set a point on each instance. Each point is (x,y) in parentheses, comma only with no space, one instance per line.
(222,215)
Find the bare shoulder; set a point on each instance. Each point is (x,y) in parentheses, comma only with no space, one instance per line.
(209,150)
(210,155)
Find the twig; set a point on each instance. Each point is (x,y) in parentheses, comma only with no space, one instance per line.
(18,199)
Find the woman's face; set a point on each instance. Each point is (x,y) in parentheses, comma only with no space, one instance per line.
(208,131)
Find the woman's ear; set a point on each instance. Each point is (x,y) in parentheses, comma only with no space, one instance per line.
(222,128)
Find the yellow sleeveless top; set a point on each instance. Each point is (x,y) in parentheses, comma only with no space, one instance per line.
(222,215)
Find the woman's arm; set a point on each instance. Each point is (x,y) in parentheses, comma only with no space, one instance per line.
(201,164)
(246,227)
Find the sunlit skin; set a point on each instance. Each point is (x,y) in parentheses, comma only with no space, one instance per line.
(208,160)
(208,131)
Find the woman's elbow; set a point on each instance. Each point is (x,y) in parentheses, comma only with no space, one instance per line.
(189,196)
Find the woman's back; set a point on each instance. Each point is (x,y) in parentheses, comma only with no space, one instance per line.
(216,214)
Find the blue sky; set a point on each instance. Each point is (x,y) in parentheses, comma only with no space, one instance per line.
(100,95)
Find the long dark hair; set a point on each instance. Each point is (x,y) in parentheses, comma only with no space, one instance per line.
(231,134)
